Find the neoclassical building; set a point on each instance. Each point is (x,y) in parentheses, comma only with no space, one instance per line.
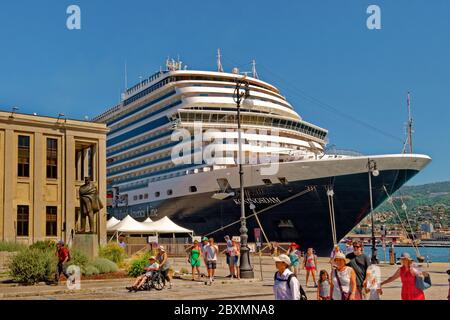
(43,162)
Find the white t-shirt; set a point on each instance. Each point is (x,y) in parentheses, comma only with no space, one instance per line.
(230,248)
(281,289)
(155,265)
(344,277)
(211,252)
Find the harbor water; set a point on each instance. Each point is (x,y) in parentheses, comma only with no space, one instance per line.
(433,254)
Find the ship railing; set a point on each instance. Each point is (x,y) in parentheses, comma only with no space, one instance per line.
(107,112)
(342,152)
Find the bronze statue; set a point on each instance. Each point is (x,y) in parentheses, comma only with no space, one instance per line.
(90,204)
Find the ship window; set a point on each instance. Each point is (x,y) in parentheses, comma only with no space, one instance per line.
(141,196)
(283,181)
(193,189)
(134,197)
(169,192)
(145,195)
(267,182)
(157,194)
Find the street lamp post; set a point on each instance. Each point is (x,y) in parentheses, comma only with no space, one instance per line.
(246,269)
(372,166)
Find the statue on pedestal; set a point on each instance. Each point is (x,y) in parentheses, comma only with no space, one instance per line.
(90,204)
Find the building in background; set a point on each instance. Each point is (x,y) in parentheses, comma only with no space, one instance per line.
(427,227)
(43,162)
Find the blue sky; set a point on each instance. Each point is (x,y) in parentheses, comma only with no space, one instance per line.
(307,48)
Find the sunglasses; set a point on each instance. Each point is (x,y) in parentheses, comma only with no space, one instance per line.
(356,247)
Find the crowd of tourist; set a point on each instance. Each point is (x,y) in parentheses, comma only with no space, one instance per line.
(350,276)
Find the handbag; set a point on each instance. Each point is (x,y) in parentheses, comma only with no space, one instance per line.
(344,295)
(423,283)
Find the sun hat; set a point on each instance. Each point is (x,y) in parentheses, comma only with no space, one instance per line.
(161,248)
(340,255)
(293,244)
(406,255)
(205,239)
(283,258)
(152,258)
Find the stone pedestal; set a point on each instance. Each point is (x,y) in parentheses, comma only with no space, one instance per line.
(86,243)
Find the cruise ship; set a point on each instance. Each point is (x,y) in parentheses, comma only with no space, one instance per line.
(156,164)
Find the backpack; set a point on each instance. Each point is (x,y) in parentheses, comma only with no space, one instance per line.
(288,280)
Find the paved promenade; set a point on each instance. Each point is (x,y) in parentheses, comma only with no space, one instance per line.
(222,288)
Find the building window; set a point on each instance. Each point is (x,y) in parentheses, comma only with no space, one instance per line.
(51,218)
(22,221)
(193,189)
(169,192)
(23,164)
(52,158)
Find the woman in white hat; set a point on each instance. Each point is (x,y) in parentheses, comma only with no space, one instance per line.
(286,285)
(343,279)
(407,273)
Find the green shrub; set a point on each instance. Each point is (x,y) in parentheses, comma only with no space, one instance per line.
(44,245)
(30,266)
(10,246)
(112,251)
(90,270)
(78,258)
(104,265)
(184,270)
(137,265)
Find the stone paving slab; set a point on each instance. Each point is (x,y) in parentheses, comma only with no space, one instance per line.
(222,288)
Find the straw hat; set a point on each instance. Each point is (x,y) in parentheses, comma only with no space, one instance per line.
(342,256)
(406,255)
(283,258)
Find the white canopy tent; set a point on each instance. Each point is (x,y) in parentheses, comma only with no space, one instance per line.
(131,226)
(165,225)
(111,223)
(148,220)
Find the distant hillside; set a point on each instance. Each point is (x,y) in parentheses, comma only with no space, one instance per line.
(427,189)
(422,195)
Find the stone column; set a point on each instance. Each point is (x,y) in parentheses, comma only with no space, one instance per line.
(2,186)
(37,220)
(100,175)
(10,182)
(85,162)
(70,189)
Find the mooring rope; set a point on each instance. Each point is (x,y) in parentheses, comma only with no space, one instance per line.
(401,223)
(330,196)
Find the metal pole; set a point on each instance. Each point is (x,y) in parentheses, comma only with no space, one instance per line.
(374,259)
(246,269)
